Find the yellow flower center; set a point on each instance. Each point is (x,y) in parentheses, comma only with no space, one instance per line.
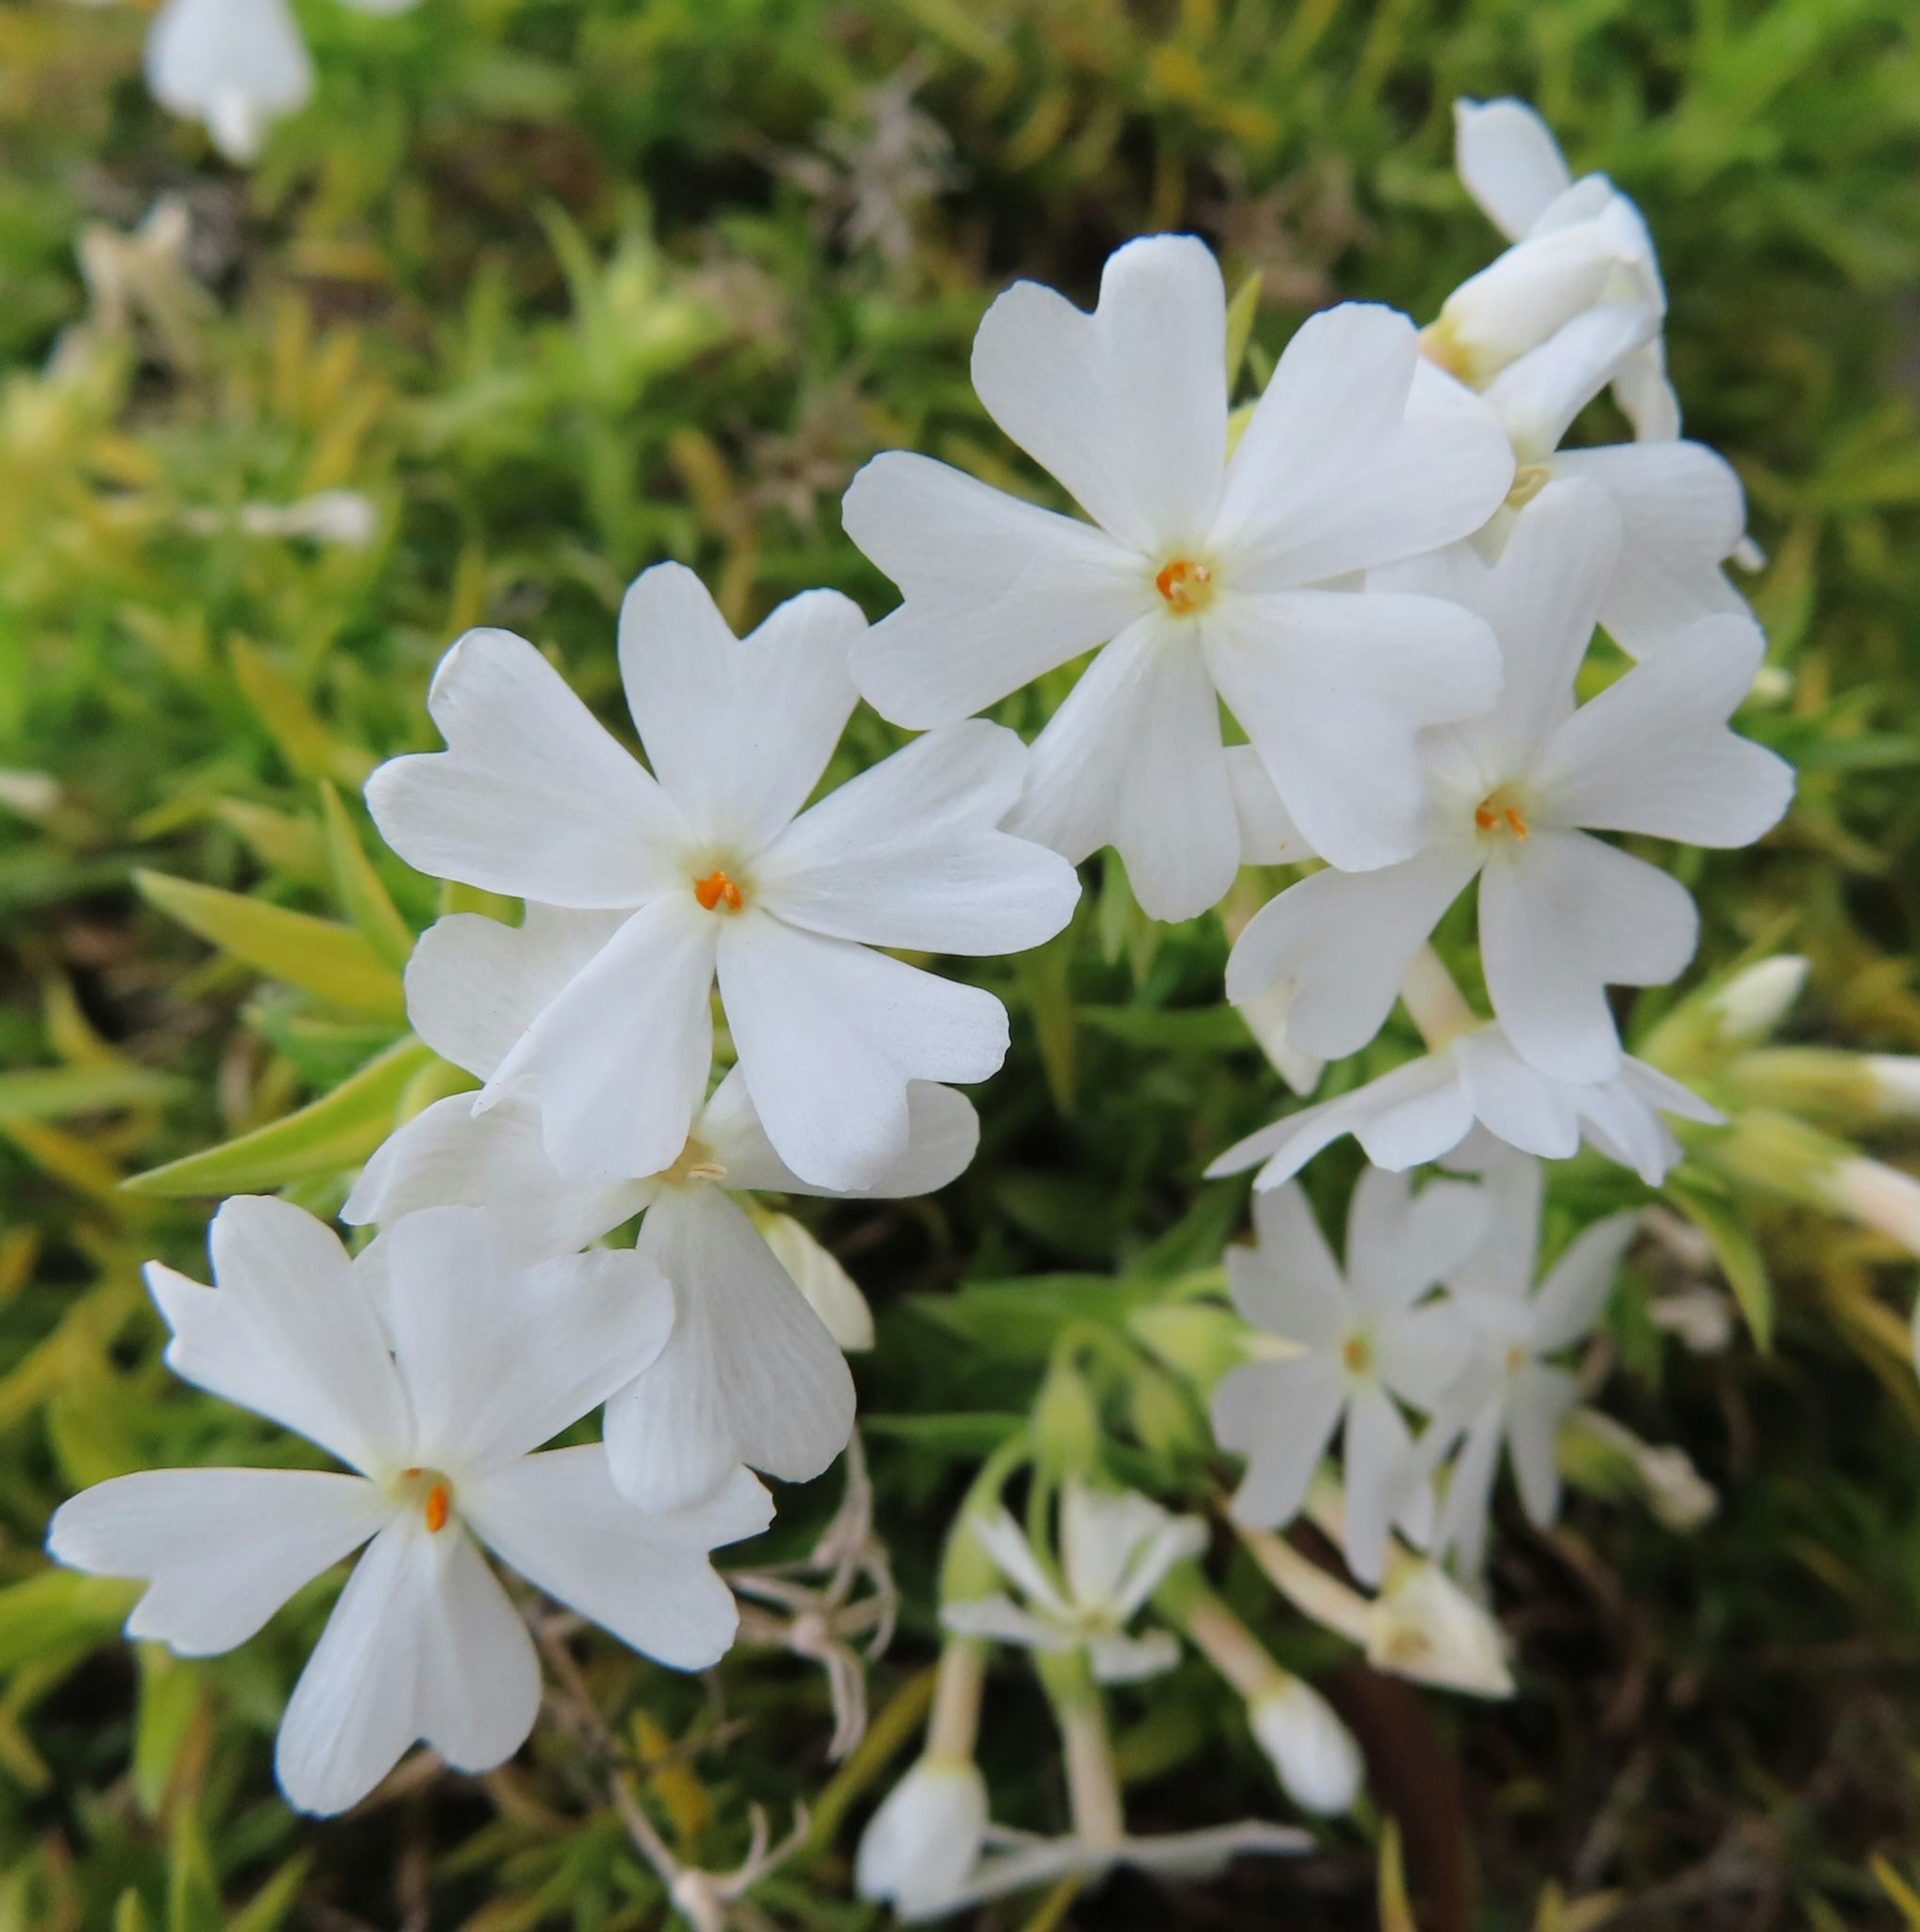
(1187,584)
(1502,814)
(1356,1352)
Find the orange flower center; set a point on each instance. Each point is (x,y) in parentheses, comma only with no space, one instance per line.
(1187,584)
(1500,815)
(437,1504)
(717,890)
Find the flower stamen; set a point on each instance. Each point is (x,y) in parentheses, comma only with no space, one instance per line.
(439,1503)
(1499,814)
(715,890)
(1187,584)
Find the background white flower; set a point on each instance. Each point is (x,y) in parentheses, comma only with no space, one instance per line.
(433,1365)
(1363,1337)
(1512,796)
(1508,1390)
(750,1373)
(1200,574)
(713,872)
(1428,1108)
(1115,1548)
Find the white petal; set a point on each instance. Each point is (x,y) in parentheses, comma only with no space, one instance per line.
(1538,1405)
(1133,759)
(1377,1462)
(749,1375)
(1289,1284)
(479,1674)
(1126,406)
(1469,1502)
(473,985)
(998,591)
(357,1706)
(1267,836)
(499,1353)
(909,853)
(925,1838)
(1653,753)
(1537,397)
(1683,513)
(1508,161)
(1002,1539)
(1333,688)
(1575,1293)
(943,1131)
(619,1060)
(449,1156)
(1400,1243)
(999,1619)
(831,1293)
(738,730)
(1335,471)
(1132,1660)
(830,1037)
(220,1549)
(1502,1264)
(236,63)
(559,1521)
(1281,1416)
(1344,941)
(1516,1102)
(1423,1353)
(1562,917)
(288,1333)
(1100,1532)
(1646,397)
(531,796)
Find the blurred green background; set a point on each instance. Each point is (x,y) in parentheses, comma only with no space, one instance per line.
(561,287)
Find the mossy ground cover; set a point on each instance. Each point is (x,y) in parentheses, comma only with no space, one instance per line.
(564,287)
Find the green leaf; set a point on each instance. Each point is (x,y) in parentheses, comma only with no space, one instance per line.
(1178,1030)
(338,1131)
(1240,313)
(332,962)
(54,1092)
(971,1435)
(192,1892)
(267,1910)
(362,896)
(1723,1222)
(169,1701)
(298,732)
(60,1612)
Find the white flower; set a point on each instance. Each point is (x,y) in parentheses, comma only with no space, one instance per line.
(237,65)
(1198,572)
(1509,1392)
(1577,245)
(1426,1109)
(433,1365)
(1313,1753)
(750,1374)
(1115,1549)
(1682,512)
(710,871)
(923,1842)
(1363,1339)
(1513,796)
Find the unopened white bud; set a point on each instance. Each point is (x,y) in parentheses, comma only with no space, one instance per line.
(1755,1001)
(921,1845)
(1680,1497)
(1313,1752)
(1877,1196)
(1425,1626)
(1896,1081)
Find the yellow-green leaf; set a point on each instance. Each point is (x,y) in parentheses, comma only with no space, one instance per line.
(297,730)
(56,1093)
(1240,313)
(332,962)
(362,897)
(60,1612)
(337,1132)
(1724,1223)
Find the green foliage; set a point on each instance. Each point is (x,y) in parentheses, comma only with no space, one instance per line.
(562,287)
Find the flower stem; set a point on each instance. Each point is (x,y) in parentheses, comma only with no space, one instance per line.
(1217,1634)
(1093,1786)
(955,1724)
(1435,1003)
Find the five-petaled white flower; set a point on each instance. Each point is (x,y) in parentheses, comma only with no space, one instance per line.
(1428,1109)
(1364,1338)
(1205,578)
(237,65)
(1116,1547)
(1576,244)
(715,873)
(1507,1390)
(434,1365)
(1512,794)
(749,1373)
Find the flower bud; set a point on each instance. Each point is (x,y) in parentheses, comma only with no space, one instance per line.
(920,1847)
(1313,1752)
(1878,1196)
(1750,1004)
(1426,1626)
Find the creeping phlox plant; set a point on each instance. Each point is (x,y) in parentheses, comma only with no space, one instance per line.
(1348,626)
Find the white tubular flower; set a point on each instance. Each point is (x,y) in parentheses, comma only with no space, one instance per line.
(236,65)
(1682,512)
(1204,576)
(434,1366)
(1312,1752)
(1513,797)
(1424,1110)
(749,1373)
(1508,1391)
(923,1842)
(708,866)
(1363,1339)
(1576,244)
(1115,1549)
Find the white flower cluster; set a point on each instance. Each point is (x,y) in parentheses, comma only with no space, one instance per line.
(1389,576)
